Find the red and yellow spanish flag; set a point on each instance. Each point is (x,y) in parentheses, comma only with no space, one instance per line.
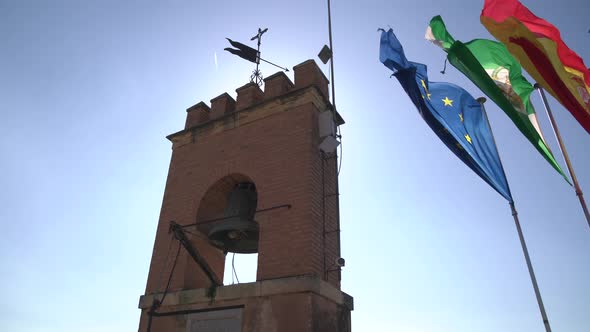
(538,47)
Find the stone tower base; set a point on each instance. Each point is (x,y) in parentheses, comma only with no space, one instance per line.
(297,304)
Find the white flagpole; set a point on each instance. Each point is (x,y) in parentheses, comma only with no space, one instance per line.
(525,251)
(570,169)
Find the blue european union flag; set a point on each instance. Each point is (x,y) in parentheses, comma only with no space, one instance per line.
(454,115)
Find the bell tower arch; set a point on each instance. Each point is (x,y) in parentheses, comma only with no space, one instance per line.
(226,215)
(255,174)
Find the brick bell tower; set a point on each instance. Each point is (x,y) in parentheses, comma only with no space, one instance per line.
(257,174)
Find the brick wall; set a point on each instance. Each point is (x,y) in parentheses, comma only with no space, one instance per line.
(270,138)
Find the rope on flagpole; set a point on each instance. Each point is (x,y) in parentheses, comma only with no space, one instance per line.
(570,168)
(525,251)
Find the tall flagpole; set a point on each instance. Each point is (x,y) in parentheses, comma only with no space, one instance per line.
(577,188)
(331,58)
(529,265)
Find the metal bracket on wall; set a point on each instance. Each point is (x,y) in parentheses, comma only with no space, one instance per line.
(180,235)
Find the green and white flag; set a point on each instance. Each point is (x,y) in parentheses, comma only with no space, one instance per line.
(490,66)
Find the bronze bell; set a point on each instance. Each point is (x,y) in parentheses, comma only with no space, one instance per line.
(238,232)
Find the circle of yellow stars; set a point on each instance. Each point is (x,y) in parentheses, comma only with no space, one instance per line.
(447,102)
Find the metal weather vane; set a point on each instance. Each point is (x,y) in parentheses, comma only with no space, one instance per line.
(253,55)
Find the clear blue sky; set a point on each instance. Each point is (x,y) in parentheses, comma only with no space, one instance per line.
(89,90)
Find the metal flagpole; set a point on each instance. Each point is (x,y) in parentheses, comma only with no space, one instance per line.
(331,58)
(577,188)
(529,265)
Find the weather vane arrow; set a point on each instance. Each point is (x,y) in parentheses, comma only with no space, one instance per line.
(253,55)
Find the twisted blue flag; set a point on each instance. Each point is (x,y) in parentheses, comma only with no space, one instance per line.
(451,112)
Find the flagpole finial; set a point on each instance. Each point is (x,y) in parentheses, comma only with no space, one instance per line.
(481,100)
(537,86)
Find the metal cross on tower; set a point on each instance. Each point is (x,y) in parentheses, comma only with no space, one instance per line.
(256,74)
